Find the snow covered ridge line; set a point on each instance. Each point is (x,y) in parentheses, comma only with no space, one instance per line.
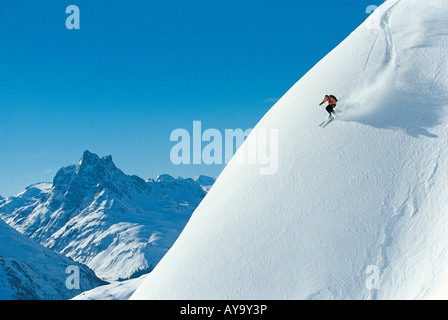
(355,212)
(261,147)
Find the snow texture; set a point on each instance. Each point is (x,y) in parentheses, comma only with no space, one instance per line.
(116,290)
(368,190)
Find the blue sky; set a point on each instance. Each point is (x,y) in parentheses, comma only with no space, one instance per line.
(137,70)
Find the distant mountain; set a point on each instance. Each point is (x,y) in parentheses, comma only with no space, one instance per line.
(118,225)
(205,182)
(29,271)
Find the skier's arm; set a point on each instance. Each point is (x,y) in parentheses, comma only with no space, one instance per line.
(325,100)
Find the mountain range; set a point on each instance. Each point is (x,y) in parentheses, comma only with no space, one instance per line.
(356,210)
(117,225)
(29,271)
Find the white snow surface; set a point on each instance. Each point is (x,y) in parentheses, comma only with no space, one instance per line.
(116,290)
(370,189)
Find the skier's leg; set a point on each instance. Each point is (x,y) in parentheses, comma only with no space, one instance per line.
(330,111)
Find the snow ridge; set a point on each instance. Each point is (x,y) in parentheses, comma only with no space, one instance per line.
(368,191)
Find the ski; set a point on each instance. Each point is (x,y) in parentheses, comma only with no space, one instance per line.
(326,124)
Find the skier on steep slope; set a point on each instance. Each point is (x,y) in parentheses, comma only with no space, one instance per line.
(331,105)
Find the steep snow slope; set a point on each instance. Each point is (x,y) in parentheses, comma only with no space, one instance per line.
(118,225)
(28,270)
(369,190)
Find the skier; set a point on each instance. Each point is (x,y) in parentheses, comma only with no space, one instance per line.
(331,105)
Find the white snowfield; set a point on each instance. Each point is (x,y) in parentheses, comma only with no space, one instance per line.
(358,210)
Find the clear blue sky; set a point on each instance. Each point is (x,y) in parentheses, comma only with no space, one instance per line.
(137,70)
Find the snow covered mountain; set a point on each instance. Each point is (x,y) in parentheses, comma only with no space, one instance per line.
(118,225)
(205,182)
(29,271)
(357,210)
